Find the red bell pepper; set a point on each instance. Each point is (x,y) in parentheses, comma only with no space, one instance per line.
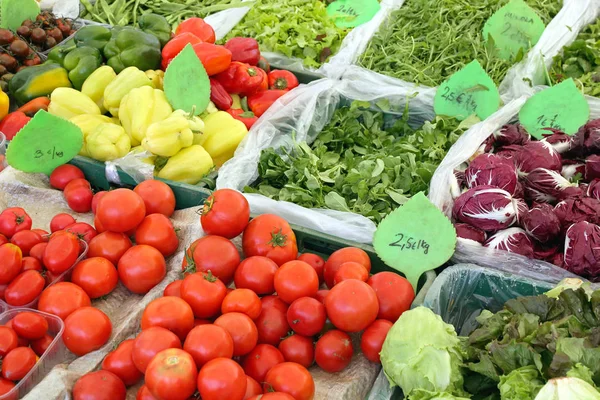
(13,123)
(198,27)
(219,95)
(281,79)
(264,65)
(175,45)
(244,50)
(242,79)
(215,58)
(247,117)
(261,101)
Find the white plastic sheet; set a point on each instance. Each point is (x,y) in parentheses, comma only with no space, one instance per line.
(224,21)
(62,8)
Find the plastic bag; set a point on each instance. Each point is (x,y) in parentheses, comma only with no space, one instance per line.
(61,8)
(132,165)
(224,21)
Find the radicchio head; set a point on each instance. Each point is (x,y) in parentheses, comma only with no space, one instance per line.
(577,209)
(534,155)
(587,139)
(546,186)
(593,189)
(582,249)
(485,207)
(492,170)
(558,139)
(547,251)
(571,168)
(514,240)
(468,232)
(592,167)
(541,223)
(511,134)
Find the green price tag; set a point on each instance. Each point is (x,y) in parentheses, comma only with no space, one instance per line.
(514,28)
(352,13)
(14,12)
(467,92)
(561,107)
(415,238)
(46,142)
(186,83)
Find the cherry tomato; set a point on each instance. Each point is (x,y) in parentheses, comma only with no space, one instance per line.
(120,363)
(270,236)
(295,279)
(273,396)
(3,239)
(253,388)
(37,251)
(242,331)
(141,268)
(8,340)
(372,339)
(149,343)
(96,200)
(120,210)
(207,342)
(290,378)
(40,346)
(225,213)
(11,257)
(157,231)
(314,261)
(171,313)
(86,329)
(215,254)
(257,274)
(31,263)
(272,325)
(204,293)
(86,388)
(79,196)
(5,387)
(171,374)
(260,360)
(321,295)
(158,197)
(26,240)
(30,325)
(333,351)
(17,363)
(350,270)
(83,231)
(61,299)
(61,221)
(109,245)
(96,275)
(13,220)
(61,253)
(298,349)
(244,301)
(337,258)
(220,379)
(25,288)
(395,294)
(352,305)
(173,288)
(306,316)
(63,175)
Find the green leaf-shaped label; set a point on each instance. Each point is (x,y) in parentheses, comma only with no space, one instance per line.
(469,91)
(186,83)
(352,13)
(14,12)
(46,142)
(513,28)
(415,238)
(561,107)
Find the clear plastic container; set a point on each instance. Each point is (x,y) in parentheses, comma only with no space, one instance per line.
(55,354)
(3,163)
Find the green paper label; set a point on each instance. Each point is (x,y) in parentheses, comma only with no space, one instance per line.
(415,238)
(467,92)
(14,12)
(352,13)
(512,29)
(46,142)
(186,83)
(561,107)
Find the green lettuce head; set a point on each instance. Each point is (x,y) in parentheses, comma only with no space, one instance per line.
(568,389)
(520,384)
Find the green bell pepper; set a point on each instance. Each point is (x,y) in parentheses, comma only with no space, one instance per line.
(92,36)
(133,48)
(37,81)
(80,63)
(156,25)
(58,53)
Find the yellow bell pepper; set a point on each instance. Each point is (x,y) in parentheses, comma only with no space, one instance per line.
(4,104)
(190,165)
(96,83)
(68,103)
(157,77)
(108,142)
(129,79)
(221,136)
(87,123)
(167,137)
(141,108)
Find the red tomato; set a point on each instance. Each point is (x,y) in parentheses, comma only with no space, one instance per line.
(149,343)
(171,375)
(26,240)
(215,254)
(21,342)
(273,396)
(352,305)
(257,274)
(86,329)
(79,196)
(13,220)
(17,363)
(158,197)
(8,340)
(173,288)
(290,378)
(204,293)
(141,268)
(5,387)
(260,360)
(62,299)
(253,388)
(295,279)
(321,294)
(171,313)
(242,331)
(109,245)
(44,234)
(144,394)
(63,175)
(61,253)
(31,263)
(37,251)
(11,257)
(86,388)
(274,301)
(30,325)
(395,294)
(333,351)
(314,261)
(198,28)
(270,236)
(272,325)
(350,270)
(306,316)
(96,275)
(220,379)
(207,342)
(372,339)
(157,231)
(298,349)
(244,301)
(120,363)
(2,291)
(83,231)
(3,239)
(61,221)
(120,210)
(25,288)
(98,225)
(225,213)
(40,346)
(96,200)
(337,258)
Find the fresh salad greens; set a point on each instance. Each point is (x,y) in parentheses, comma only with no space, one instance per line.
(356,164)
(426,41)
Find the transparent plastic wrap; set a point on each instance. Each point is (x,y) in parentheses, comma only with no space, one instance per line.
(224,21)
(132,165)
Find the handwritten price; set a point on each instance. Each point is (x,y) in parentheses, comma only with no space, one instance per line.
(466,100)
(410,243)
(53,153)
(549,122)
(347,10)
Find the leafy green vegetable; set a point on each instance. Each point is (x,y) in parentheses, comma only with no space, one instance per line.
(426,41)
(520,384)
(568,389)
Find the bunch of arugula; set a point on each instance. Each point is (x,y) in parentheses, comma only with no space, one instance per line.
(426,41)
(356,164)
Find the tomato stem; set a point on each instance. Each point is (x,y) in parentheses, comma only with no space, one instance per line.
(278,239)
